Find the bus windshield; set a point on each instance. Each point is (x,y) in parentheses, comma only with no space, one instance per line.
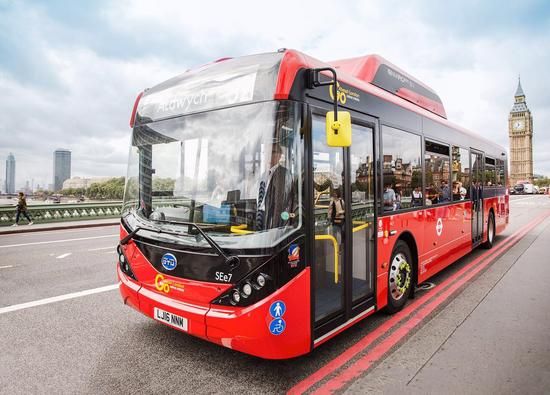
(235,172)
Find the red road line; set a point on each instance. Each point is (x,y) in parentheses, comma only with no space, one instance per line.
(360,366)
(358,347)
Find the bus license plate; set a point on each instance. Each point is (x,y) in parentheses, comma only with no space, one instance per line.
(170,319)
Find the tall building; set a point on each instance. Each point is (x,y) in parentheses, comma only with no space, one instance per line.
(520,130)
(61,167)
(10,174)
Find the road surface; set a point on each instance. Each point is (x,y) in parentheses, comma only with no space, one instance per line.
(89,342)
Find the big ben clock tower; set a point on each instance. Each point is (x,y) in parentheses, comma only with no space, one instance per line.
(520,130)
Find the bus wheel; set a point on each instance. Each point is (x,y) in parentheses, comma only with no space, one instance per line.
(400,277)
(490,231)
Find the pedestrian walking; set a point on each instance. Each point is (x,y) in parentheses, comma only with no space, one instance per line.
(22,209)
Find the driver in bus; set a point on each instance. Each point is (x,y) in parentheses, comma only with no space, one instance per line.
(275,192)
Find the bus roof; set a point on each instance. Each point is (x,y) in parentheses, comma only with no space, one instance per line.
(273,75)
(378,71)
(361,74)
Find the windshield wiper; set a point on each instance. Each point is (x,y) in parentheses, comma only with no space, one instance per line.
(231,260)
(137,229)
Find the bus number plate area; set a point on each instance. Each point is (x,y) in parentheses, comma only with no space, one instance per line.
(170,319)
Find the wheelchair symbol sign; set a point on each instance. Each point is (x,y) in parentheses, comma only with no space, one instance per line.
(277,326)
(277,309)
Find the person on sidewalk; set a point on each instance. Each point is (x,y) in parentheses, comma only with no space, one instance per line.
(22,209)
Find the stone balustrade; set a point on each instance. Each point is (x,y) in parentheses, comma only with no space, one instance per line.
(43,213)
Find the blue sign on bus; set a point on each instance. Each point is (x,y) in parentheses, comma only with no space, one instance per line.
(277,309)
(169,261)
(277,326)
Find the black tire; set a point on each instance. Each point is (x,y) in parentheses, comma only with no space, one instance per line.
(400,277)
(491,232)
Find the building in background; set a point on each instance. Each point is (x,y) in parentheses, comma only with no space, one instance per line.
(61,167)
(82,182)
(10,174)
(520,130)
(28,188)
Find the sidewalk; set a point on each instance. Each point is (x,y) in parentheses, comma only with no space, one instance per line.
(24,227)
(494,338)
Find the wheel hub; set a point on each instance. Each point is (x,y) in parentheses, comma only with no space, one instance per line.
(400,276)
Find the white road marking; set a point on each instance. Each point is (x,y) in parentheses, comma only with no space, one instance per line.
(6,267)
(103,248)
(59,232)
(57,241)
(64,255)
(59,298)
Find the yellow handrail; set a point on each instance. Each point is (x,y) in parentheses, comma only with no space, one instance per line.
(335,245)
(336,252)
(360,227)
(240,229)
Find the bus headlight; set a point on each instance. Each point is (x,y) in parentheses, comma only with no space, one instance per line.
(247,290)
(250,289)
(124,264)
(260,280)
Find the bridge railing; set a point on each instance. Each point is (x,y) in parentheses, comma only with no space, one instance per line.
(44,213)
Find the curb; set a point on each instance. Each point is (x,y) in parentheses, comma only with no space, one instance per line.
(57,227)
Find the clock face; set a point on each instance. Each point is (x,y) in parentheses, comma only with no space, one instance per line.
(518,125)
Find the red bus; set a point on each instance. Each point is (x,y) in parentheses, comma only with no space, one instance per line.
(273,200)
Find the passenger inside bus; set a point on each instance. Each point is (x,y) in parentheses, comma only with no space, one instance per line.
(459,192)
(336,214)
(445,195)
(390,200)
(397,198)
(432,195)
(417,197)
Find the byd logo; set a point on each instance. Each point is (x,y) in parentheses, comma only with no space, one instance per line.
(169,261)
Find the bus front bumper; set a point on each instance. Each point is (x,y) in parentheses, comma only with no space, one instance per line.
(245,329)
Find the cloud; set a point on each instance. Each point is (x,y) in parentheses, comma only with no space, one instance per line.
(71,71)
(88,113)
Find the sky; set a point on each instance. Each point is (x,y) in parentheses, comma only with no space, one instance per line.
(70,71)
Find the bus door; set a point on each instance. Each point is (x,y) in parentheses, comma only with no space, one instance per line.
(344,238)
(477,165)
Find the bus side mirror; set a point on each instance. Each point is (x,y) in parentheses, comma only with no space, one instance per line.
(338,132)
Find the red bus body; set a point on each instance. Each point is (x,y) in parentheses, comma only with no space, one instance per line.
(246,329)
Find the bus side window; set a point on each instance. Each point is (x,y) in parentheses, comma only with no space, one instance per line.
(402,169)
(461,174)
(438,169)
(500,173)
(490,172)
